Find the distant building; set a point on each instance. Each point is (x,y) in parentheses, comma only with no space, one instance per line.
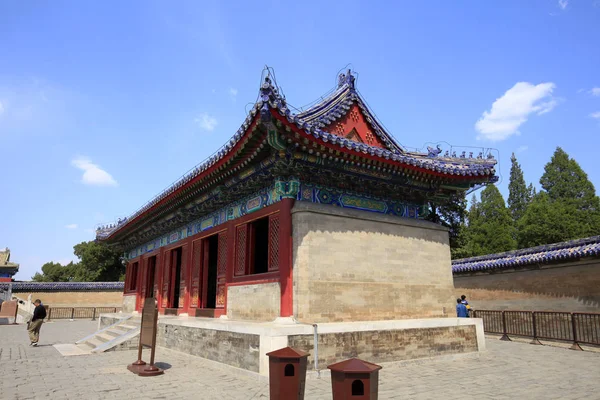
(7,268)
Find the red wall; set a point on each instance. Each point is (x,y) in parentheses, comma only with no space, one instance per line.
(190,258)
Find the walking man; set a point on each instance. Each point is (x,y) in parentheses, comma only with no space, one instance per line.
(39,313)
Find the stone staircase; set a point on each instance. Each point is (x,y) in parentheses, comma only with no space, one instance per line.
(122,335)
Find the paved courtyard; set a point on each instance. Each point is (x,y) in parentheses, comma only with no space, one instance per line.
(508,370)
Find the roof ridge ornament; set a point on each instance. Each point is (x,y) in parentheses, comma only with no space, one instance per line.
(346,79)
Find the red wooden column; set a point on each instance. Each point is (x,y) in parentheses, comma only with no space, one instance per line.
(158,274)
(222,268)
(285,257)
(140,290)
(166,278)
(195,271)
(183,278)
(229,270)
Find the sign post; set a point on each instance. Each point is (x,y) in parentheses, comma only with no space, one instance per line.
(148,339)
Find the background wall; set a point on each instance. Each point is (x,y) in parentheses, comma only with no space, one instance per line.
(571,286)
(358,266)
(75,298)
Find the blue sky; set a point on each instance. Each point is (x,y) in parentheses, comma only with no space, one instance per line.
(104,104)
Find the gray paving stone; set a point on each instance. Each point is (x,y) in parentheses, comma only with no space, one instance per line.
(508,370)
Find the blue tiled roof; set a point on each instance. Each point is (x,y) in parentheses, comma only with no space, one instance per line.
(64,286)
(311,121)
(555,252)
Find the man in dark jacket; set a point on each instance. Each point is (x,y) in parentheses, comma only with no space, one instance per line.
(39,313)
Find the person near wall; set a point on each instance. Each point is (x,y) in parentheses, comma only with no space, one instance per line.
(33,327)
(463,299)
(461,309)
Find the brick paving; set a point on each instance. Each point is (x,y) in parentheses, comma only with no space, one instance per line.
(508,370)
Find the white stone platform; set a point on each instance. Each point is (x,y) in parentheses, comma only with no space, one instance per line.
(244,344)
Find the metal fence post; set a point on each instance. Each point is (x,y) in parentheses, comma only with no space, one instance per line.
(49,313)
(575,345)
(535,339)
(504,335)
(94,314)
(73,313)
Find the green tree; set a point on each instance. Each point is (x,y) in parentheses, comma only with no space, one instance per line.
(55,272)
(564,179)
(573,195)
(546,221)
(519,195)
(452,215)
(490,227)
(99,263)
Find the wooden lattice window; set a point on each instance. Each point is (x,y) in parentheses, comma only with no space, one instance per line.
(274,242)
(222,258)
(241,244)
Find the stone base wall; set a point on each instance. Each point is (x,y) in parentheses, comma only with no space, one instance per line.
(75,298)
(570,287)
(387,345)
(239,350)
(259,302)
(359,266)
(244,344)
(129,303)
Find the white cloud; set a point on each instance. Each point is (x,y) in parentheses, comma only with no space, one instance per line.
(233,92)
(563,4)
(71,226)
(513,109)
(206,122)
(595,115)
(92,173)
(595,91)
(1,108)
(521,149)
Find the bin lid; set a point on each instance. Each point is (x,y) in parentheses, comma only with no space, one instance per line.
(287,352)
(354,365)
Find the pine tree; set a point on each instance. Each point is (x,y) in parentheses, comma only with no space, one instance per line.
(546,222)
(568,186)
(519,194)
(564,179)
(490,227)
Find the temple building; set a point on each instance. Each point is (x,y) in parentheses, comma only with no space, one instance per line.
(7,269)
(304,218)
(316,215)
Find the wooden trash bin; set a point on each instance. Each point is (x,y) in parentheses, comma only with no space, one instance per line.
(354,379)
(287,374)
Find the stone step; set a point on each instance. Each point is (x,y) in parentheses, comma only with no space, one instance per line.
(128,326)
(93,342)
(114,332)
(85,347)
(103,337)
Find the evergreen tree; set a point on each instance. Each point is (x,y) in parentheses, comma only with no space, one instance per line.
(490,226)
(573,195)
(451,215)
(519,194)
(546,222)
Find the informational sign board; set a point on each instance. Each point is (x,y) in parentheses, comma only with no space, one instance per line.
(148,339)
